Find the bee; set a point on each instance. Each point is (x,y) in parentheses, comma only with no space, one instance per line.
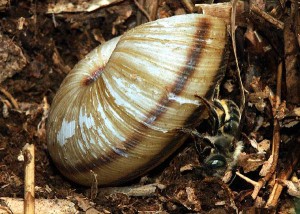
(221,149)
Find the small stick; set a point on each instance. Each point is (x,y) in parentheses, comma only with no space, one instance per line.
(152,8)
(250,181)
(28,152)
(276,136)
(188,5)
(94,186)
(232,30)
(135,191)
(147,10)
(284,174)
(143,10)
(10,97)
(267,17)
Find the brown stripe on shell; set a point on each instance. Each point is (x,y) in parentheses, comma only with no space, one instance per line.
(93,76)
(195,55)
(194,118)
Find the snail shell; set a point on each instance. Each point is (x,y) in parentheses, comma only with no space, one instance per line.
(119,111)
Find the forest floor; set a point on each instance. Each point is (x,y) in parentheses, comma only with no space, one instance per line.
(39,47)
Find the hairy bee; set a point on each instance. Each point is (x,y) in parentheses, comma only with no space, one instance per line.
(221,149)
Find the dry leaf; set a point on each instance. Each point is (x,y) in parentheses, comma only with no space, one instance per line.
(293,188)
(263,146)
(250,162)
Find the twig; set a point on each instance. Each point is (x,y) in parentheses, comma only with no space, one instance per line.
(143,10)
(152,8)
(278,88)
(267,17)
(94,186)
(41,127)
(10,97)
(291,41)
(188,5)
(29,205)
(276,136)
(250,181)
(284,174)
(232,26)
(144,190)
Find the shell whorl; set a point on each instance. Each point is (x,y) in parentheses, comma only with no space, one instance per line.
(118,112)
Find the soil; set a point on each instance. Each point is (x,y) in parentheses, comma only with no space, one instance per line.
(44,47)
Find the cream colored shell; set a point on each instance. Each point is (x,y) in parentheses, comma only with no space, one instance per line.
(119,112)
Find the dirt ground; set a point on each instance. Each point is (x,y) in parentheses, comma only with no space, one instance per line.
(38,49)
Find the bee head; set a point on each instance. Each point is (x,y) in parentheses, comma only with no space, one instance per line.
(220,155)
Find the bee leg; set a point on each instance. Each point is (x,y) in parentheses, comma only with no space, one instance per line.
(213,115)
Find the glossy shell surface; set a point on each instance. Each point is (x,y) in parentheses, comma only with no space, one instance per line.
(119,112)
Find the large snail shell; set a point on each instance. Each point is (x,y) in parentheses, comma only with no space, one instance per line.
(119,112)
